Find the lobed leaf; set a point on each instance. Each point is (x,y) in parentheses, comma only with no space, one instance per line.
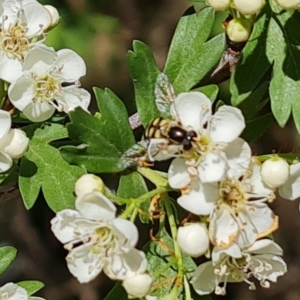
(7,256)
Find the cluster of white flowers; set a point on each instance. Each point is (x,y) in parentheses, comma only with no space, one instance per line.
(98,240)
(41,80)
(229,190)
(11,291)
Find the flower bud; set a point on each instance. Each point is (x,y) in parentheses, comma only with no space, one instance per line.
(289,4)
(219,4)
(247,7)
(15,143)
(88,183)
(54,15)
(238,31)
(193,240)
(138,286)
(275,172)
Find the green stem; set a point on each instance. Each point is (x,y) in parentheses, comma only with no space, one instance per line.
(187,290)
(153,176)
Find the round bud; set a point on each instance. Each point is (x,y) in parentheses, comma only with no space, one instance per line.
(88,183)
(289,4)
(193,240)
(238,31)
(15,143)
(275,172)
(219,4)
(54,15)
(247,7)
(138,286)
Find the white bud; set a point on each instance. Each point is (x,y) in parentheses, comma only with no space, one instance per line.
(54,15)
(275,172)
(247,7)
(193,240)
(15,143)
(88,183)
(238,31)
(138,286)
(289,4)
(219,4)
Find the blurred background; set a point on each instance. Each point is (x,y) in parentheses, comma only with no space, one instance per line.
(102,32)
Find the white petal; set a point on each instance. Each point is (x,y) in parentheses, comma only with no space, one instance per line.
(95,206)
(278,267)
(264,246)
(11,291)
(39,60)
(36,16)
(192,109)
(71,98)
(212,167)
(15,143)
(138,286)
(291,189)
(238,155)
(83,263)
(5,123)
(200,199)
(10,68)
(178,174)
(120,267)
(128,230)
(21,92)
(218,254)
(226,124)
(5,162)
(73,66)
(38,111)
(203,280)
(223,229)
(62,225)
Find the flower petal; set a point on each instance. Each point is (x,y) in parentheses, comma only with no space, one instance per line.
(11,291)
(38,111)
(178,174)
(264,246)
(5,162)
(226,124)
(83,263)
(5,122)
(95,206)
(10,67)
(192,109)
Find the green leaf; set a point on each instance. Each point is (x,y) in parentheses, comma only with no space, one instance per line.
(256,127)
(31,286)
(211,91)
(144,72)
(284,51)
(7,256)
(158,264)
(105,137)
(253,63)
(43,167)
(117,292)
(190,57)
(132,186)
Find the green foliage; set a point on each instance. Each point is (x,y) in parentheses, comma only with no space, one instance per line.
(42,167)
(106,136)
(190,57)
(7,256)
(31,286)
(144,71)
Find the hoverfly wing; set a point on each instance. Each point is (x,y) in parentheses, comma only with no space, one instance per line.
(161,149)
(164,94)
(134,155)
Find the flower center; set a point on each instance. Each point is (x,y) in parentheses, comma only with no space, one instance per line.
(232,193)
(105,241)
(46,88)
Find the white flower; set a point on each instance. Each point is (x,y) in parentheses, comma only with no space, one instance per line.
(193,239)
(275,172)
(98,240)
(13,142)
(232,264)
(289,4)
(88,183)
(247,7)
(22,28)
(138,286)
(219,4)
(11,291)
(238,30)
(241,215)
(54,15)
(50,81)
